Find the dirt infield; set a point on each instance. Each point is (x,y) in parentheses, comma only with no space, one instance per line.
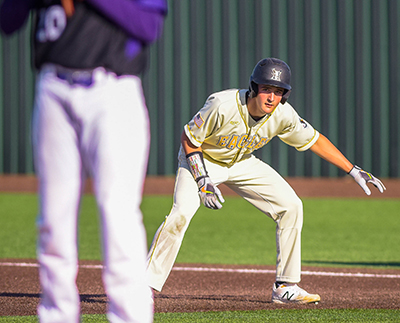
(197,287)
(304,187)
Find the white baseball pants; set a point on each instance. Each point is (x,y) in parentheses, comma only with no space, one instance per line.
(256,182)
(102,129)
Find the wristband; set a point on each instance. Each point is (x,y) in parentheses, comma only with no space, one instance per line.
(351,170)
(196,165)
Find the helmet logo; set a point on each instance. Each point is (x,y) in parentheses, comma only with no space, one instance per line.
(276,75)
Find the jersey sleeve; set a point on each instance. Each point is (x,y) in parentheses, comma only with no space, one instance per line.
(298,133)
(14,13)
(204,123)
(142,19)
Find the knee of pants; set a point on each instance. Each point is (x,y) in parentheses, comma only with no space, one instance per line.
(293,215)
(179,218)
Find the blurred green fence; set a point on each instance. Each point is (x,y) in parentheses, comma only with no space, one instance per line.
(345,78)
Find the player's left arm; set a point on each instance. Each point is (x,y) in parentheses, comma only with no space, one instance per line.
(325,149)
(14,13)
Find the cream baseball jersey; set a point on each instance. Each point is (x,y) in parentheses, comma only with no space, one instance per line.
(227,133)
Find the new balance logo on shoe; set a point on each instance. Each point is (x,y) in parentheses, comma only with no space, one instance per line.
(287,296)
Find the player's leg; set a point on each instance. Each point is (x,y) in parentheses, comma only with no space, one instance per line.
(58,167)
(269,192)
(263,187)
(168,238)
(116,145)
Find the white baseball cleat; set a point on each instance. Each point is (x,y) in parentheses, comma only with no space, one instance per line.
(292,294)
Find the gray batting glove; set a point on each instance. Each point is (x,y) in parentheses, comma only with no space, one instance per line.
(209,193)
(362,178)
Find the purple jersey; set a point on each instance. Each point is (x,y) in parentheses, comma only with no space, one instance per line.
(90,38)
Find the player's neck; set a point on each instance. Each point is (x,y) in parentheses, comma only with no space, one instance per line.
(256,118)
(251,108)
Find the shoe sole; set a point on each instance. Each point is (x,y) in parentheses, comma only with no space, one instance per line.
(277,301)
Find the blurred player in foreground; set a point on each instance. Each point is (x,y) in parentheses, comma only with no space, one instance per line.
(90,118)
(217,146)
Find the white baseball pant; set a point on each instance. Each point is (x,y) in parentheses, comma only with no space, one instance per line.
(103,129)
(256,182)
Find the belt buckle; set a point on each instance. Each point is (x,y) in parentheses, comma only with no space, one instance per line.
(76,77)
(82,78)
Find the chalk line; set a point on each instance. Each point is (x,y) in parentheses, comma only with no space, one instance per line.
(268,271)
(229,270)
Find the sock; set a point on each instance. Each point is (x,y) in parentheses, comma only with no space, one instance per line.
(279,283)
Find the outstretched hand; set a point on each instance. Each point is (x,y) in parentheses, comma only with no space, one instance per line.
(210,194)
(362,178)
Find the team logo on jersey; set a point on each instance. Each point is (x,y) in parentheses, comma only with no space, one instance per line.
(234,123)
(276,75)
(198,120)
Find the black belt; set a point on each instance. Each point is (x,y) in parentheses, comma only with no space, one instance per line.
(75,77)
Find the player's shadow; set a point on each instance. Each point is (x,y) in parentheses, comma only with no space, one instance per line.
(350,263)
(29,295)
(85,298)
(212,298)
(93,298)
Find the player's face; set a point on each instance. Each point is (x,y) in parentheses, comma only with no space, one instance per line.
(267,99)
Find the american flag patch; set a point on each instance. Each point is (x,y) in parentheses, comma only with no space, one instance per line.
(198,120)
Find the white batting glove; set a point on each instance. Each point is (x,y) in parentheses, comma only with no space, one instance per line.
(209,193)
(362,178)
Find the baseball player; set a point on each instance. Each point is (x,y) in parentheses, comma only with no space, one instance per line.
(217,146)
(90,118)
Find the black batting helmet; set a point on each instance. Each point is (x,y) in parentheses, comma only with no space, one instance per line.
(271,71)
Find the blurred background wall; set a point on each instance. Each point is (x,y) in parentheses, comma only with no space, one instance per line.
(345,78)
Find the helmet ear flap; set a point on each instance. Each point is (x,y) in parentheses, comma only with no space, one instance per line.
(285,96)
(253,89)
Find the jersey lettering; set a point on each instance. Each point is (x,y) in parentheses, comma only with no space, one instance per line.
(223,140)
(242,142)
(261,143)
(52,22)
(251,142)
(233,141)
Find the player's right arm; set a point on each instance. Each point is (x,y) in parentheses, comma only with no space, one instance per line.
(209,193)
(187,145)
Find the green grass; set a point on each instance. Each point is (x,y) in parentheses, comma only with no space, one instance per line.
(336,232)
(326,316)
